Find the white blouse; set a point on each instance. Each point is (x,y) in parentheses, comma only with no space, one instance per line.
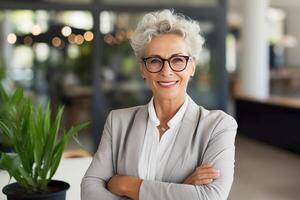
(155,151)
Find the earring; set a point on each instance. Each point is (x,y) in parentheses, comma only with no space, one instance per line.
(144,78)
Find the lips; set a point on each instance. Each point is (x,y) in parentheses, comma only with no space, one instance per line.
(167,84)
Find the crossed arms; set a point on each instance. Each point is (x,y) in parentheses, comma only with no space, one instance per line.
(212,180)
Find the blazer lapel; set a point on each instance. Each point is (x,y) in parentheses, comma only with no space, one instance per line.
(135,141)
(184,137)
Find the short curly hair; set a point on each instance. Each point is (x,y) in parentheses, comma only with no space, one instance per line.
(165,22)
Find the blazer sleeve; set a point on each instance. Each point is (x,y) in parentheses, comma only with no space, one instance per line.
(220,151)
(93,185)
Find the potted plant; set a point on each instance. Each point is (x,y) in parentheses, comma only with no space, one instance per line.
(4,143)
(37,146)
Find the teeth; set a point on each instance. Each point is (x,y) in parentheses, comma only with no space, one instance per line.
(167,83)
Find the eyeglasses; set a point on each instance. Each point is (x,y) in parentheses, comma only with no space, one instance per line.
(155,64)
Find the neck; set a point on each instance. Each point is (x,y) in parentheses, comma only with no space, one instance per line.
(166,108)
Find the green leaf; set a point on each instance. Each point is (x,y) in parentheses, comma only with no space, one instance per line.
(57,157)
(17,96)
(4,127)
(3,95)
(51,140)
(11,163)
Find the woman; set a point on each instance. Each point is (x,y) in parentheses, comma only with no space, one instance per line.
(171,148)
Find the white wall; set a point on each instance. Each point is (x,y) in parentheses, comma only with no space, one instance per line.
(292,8)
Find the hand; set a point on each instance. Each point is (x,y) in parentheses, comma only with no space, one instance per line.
(203,175)
(116,185)
(125,186)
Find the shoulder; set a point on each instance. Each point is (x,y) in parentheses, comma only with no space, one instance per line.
(216,115)
(126,111)
(210,117)
(126,115)
(217,121)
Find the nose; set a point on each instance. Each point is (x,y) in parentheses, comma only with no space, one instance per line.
(166,70)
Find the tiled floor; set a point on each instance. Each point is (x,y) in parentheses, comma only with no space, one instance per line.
(264,172)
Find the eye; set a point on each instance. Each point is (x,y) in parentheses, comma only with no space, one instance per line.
(154,61)
(178,60)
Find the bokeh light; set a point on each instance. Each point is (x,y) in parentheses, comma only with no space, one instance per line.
(66,31)
(79,39)
(11,38)
(56,42)
(28,40)
(36,30)
(88,36)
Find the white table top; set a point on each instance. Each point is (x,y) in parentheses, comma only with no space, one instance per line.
(70,170)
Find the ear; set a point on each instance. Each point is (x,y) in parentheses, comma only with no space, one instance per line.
(142,71)
(193,67)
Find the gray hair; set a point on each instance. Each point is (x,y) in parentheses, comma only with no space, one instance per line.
(164,22)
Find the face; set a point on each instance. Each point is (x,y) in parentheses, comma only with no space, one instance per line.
(168,84)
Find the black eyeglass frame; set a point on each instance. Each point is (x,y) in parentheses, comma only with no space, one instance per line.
(168,60)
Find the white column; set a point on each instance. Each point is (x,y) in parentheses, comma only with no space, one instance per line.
(255,71)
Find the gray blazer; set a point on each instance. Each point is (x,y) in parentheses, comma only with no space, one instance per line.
(204,136)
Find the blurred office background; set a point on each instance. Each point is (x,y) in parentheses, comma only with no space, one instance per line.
(76,53)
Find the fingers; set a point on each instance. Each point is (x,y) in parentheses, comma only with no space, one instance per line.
(198,181)
(210,173)
(208,176)
(206,171)
(203,174)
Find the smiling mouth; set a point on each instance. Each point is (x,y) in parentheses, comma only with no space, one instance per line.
(167,84)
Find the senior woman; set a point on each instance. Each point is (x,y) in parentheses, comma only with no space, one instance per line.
(170,148)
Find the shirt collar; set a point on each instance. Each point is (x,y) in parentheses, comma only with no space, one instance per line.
(174,120)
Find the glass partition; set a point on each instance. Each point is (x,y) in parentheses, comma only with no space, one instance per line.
(122,83)
(203,87)
(48,53)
